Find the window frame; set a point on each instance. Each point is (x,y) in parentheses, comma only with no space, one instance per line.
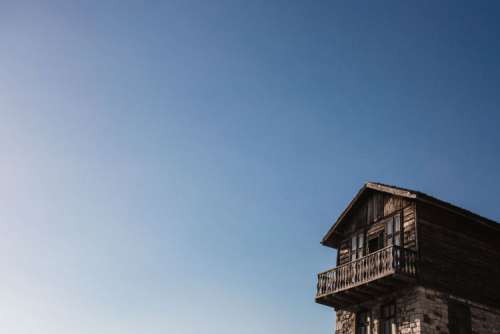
(393,228)
(390,317)
(379,237)
(357,245)
(366,321)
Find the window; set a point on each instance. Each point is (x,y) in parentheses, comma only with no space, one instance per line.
(397,230)
(393,230)
(354,247)
(388,319)
(361,239)
(362,323)
(459,318)
(357,246)
(375,242)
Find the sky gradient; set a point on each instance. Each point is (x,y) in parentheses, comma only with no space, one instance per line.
(170,167)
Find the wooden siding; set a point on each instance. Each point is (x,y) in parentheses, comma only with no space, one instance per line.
(369,216)
(373,207)
(344,252)
(456,252)
(457,255)
(375,229)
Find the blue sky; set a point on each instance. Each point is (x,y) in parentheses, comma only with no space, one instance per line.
(170,167)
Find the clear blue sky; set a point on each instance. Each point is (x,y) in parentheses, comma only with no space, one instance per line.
(171,166)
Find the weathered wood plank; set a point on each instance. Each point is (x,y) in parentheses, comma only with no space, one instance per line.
(457,258)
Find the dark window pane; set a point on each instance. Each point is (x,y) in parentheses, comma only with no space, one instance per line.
(387,319)
(388,327)
(362,323)
(373,245)
(459,318)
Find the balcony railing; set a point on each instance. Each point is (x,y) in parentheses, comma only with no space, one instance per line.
(384,262)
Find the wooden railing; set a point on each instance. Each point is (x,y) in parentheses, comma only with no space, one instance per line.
(386,261)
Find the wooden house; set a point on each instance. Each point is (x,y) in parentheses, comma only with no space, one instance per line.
(411,263)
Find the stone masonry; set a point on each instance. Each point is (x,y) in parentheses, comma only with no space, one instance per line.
(421,311)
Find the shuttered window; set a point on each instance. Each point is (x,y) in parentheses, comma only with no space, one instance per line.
(357,246)
(361,244)
(397,230)
(393,230)
(388,319)
(354,247)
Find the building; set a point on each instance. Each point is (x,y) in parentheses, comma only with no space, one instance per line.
(410,263)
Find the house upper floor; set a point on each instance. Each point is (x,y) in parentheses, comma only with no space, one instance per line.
(389,237)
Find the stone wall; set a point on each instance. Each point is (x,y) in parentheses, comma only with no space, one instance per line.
(434,306)
(408,312)
(421,311)
(345,322)
(484,320)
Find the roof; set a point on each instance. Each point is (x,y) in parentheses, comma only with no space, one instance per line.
(411,194)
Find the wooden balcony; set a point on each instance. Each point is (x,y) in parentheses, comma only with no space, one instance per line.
(373,275)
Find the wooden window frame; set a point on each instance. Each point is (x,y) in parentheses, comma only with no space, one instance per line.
(392,316)
(360,250)
(390,238)
(380,236)
(367,321)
